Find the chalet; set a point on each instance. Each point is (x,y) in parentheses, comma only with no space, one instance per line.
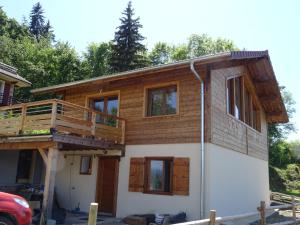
(9,79)
(186,136)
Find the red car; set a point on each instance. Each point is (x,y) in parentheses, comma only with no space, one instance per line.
(14,210)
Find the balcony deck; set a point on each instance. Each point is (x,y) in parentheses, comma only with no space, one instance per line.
(69,126)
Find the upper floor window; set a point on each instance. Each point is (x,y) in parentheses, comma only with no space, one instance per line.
(2,85)
(107,105)
(162,101)
(240,102)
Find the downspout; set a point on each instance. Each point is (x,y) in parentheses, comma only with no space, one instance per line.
(202,155)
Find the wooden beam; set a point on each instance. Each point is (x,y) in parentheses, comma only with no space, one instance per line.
(81,143)
(26,145)
(50,182)
(44,155)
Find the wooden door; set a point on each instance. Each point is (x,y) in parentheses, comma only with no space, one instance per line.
(107,185)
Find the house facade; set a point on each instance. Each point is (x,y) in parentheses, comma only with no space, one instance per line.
(150,151)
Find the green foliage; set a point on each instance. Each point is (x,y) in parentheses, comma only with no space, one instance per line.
(128,52)
(37,27)
(199,45)
(277,132)
(295,148)
(160,54)
(280,154)
(96,59)
(285,179)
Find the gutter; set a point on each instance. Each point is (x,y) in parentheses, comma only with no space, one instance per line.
(202,149)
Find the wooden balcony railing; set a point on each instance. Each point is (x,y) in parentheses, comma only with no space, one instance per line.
(45,117)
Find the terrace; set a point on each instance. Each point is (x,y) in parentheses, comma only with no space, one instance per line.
(72,126)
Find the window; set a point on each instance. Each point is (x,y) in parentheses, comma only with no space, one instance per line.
(234,97)
(108,105)
(2,85)
(159,175)
(162,101)
(86,165)
(240,102)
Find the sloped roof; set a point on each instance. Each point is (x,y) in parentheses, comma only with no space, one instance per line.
(258,63)
(9,73)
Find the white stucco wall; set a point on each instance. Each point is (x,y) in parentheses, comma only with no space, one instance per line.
(71,187)
(234,183)
(140,203)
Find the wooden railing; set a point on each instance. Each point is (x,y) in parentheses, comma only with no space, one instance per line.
(44,117)
(280,197)
(260,215)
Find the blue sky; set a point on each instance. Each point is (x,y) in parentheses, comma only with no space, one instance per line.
(254,25)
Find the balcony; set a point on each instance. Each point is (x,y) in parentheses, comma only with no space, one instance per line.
(71,126)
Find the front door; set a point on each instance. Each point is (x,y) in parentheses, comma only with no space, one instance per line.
(107,185)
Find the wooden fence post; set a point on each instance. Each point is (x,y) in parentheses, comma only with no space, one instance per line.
(23,118)
(294,210)
(212,217)
(93,130)
(262,211)
(93,214)
(123,131)
(53,114)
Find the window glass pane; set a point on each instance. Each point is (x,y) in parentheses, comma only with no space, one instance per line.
(247,107)
(156,102)
(230,96)
(99,106)
(238,98)
(171,101)
(167,176)
(156,175)
(85,166)
(112,109)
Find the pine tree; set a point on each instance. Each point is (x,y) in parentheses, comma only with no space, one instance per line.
(127,50)
(38,28)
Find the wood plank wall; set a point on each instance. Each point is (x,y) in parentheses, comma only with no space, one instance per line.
(227,131)
(181,128)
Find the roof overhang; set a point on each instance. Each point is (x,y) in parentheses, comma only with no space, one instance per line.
(257,62)
(9,73)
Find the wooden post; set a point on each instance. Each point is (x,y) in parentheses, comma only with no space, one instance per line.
(294,210)
(123,132)
(212,217)
(262,211)
(53,114)
(93,123)
(44,155)
(50,182)
(23,117)
(93,214)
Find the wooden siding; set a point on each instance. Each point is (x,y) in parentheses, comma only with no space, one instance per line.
(226,130)
(181,128)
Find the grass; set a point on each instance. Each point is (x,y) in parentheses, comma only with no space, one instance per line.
(293,192)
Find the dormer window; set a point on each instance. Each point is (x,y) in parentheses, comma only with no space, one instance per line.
(240,102)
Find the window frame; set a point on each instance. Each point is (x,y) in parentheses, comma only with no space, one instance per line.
(252,99)
(107,94)
(160,86)
(148,175)
(89,172)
